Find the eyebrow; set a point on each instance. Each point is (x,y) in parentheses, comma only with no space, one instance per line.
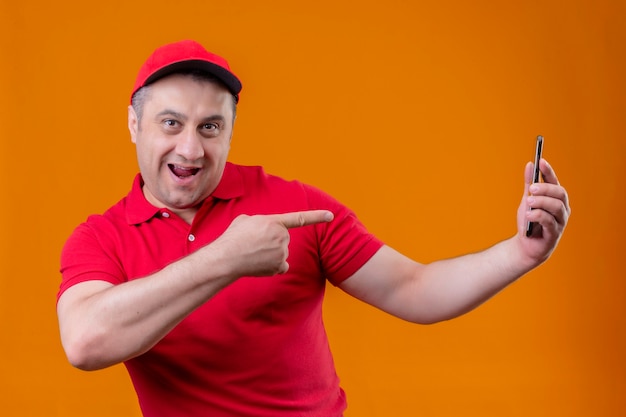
(169,112)
(181,116)
(214,118)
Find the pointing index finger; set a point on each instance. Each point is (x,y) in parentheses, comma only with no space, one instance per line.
(303,218)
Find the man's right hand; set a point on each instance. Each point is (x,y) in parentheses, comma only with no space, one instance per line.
(260,243)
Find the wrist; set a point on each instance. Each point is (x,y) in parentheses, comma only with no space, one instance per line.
(210,266)
(519,261)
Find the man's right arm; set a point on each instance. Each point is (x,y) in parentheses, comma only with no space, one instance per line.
(102,324)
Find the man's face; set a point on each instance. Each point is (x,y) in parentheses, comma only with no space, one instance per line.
(182,141)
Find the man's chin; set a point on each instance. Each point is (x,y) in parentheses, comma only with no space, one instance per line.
(184,204)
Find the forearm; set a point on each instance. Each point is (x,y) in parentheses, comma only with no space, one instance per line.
(428,293)
(449,288)
(102,324)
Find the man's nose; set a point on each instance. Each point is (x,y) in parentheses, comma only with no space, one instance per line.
(189,145)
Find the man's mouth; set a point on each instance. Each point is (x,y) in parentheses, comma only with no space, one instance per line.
(182,172)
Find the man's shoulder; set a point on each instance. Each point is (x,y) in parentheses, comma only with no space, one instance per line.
(112,217)
(256,175)
(248,172)
(255,179)
(107,221)
(270,189)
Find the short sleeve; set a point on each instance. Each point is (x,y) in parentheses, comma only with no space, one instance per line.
(85,257)
(345,244)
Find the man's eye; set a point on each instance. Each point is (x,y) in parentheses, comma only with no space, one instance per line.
(170,123)
(209,126)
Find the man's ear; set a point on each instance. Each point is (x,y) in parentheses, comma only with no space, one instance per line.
(133,124)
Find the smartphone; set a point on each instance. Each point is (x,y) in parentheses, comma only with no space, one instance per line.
(536,176)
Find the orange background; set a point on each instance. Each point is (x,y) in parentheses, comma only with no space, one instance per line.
(418,115)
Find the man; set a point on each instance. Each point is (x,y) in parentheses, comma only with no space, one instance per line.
(207,280)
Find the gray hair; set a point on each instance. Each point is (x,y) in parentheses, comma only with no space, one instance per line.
(139,98)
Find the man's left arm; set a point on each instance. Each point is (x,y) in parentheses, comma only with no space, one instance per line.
(428,293)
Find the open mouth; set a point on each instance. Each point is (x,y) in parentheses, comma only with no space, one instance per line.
(183,172)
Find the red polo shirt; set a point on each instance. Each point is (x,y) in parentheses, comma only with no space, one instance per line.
(258,347)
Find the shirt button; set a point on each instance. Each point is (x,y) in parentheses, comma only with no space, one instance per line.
(191,237)
(165,214)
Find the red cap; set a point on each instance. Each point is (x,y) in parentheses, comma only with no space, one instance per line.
(185,55)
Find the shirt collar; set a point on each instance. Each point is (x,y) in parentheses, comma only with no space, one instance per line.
(139,210)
